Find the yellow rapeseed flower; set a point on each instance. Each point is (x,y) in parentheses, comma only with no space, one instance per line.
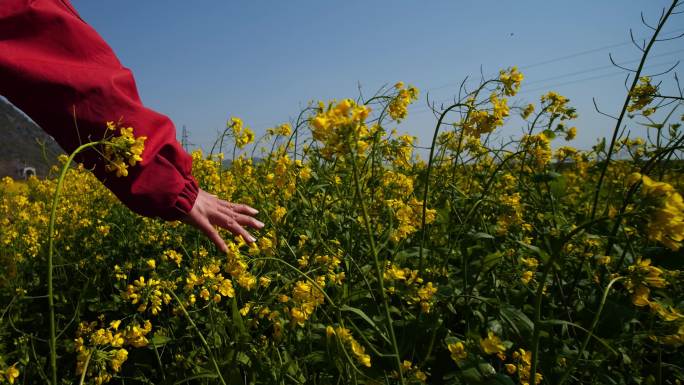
(511,79)
(12,373)
(492,344)
(457,350)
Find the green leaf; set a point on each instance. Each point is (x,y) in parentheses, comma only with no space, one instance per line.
(477,371)
(366,318)
(549,134)
(451,340)
(472,375)
(243,359)
(160,340)
(237,318)
(491,260)
(536,250)
(196,377)
(558,186)
(486,369)
(546,177)
(481,235)
(407,254)
(315,357)
(519,321)
(653,125)
(500,379)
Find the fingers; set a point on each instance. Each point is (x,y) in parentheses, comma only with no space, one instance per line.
(241,219)
(233,222)
(206,227)
(210,211)
(239,208)
(244,220)
(234,227)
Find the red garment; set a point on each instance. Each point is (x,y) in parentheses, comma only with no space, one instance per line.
(54,66)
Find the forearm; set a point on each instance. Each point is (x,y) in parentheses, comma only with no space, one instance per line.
(60,72)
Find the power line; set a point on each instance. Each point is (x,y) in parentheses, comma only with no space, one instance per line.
(591,78)
(424,109)
(561,58)
(577,54)
(584,71)
(601,68)
(582,53)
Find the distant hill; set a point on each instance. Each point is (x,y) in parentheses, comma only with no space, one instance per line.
(20,144)
(229,162)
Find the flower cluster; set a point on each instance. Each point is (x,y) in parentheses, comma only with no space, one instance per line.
(571,133)
(408,217)
(538,149)
(123,150)
(210,283)
(398,107)
(346,338)
(482,121)
(147,294)
(283,130)
(305,298)
(492,344)
(523,365)
(412,285)
(340,124)
(530,265)
(9,374)
(457,351)
(100,350)
(512,213)
(237,267)
(557,105)
(527,111)
(409,370)
(642,95)
(643,276)
(242,135)
(173,256)
(667,218)
(511,79)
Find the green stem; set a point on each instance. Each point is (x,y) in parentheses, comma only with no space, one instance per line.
(537,319)
(199,334)
(85,367)
(51,242)
(378,267)
(426,190)
(159,362)
(618,123)
(589,334)
(540,294)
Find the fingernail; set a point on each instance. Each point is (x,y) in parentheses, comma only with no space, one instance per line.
(255,211)
(252,239)
(260,224)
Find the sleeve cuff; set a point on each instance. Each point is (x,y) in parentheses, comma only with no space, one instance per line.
(184,202)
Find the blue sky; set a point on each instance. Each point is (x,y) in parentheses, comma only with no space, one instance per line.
(201,62)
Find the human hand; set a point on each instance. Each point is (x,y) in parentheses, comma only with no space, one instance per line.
(210,211)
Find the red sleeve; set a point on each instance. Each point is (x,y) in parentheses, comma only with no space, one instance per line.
(54,66)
